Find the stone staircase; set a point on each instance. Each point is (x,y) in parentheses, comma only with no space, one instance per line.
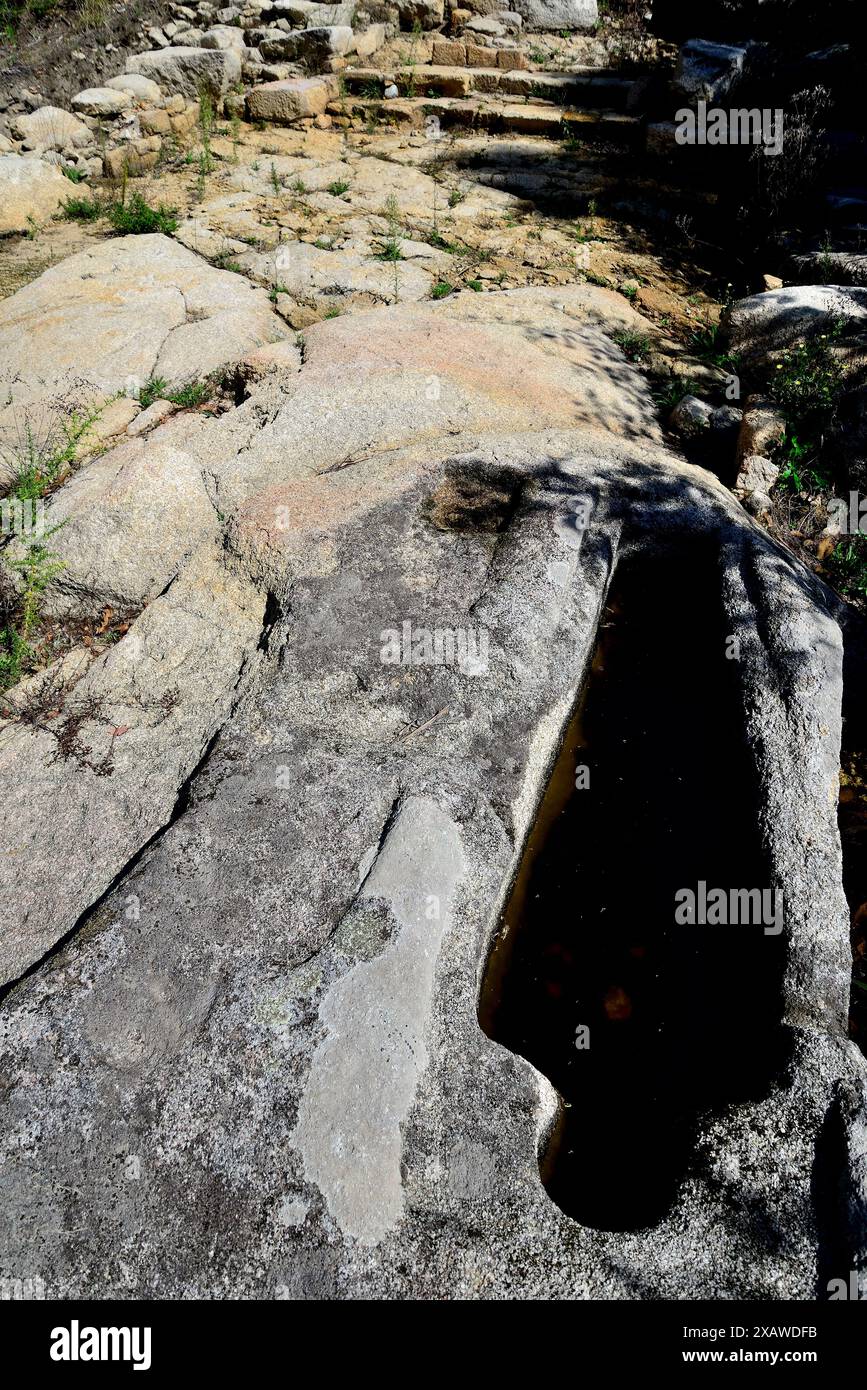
(581,106)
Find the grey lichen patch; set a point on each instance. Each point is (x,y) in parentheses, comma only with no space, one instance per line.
(282,1010)
(365,930)
(364,1074)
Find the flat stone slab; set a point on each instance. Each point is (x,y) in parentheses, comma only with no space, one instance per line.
(145,306)
(581,15)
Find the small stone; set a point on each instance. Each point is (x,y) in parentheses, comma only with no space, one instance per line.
(690,417)
(756,474)
(128,162)
(142,88)
(101,101)
(156,412)
(155,122)
(482,24)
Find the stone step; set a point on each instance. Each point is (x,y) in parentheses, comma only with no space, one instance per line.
(546,172)
(591,88)
(530,118)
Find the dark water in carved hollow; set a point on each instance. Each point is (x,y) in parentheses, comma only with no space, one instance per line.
(681,1017)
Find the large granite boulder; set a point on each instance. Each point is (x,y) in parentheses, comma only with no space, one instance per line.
(764,323)
(278,855)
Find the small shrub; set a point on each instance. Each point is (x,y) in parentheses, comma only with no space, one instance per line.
(799,466)
(338,188)
(806,383)
(135,217)
(441,289)
(391,250)
(847,566)
(37,567)
(82,209)
(40,457)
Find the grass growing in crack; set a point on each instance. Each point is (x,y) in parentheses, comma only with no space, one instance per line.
(670,394)
(633,345)
(441,289)
(184,397)
(338,188)
(223,261)
(438,240)
(193,394)
(706,342)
